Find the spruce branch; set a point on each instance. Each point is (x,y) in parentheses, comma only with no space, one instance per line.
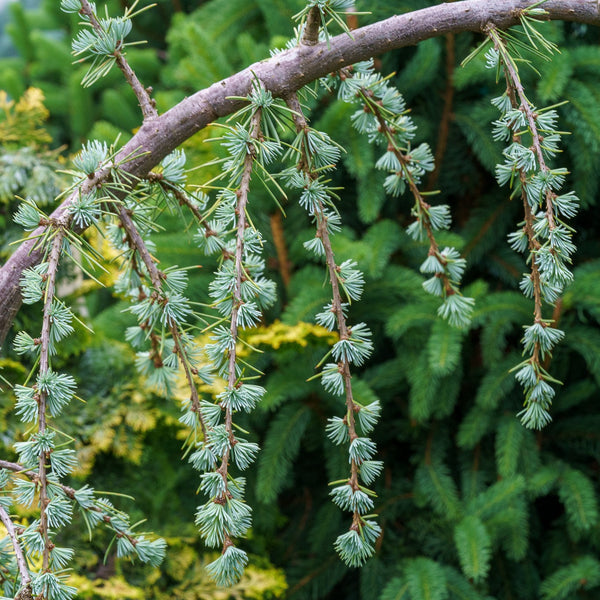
(147,104)
(21,561)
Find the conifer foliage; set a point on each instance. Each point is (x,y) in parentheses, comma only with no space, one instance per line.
(303,336)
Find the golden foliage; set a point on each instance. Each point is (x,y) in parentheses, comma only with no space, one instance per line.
(115,588)
(21,122)
(279,333)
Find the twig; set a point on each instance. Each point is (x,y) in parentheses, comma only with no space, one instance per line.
(147,104)
(423,207)
(444,128)
(157,277)
(136,242)
(42,395)
(21,562)
(69,492)
(281,248)
(182,198)
(525,106)
(310,37)
(344,332)
(514,89)
(240,211)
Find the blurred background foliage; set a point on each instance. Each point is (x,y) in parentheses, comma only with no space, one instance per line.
(472,505)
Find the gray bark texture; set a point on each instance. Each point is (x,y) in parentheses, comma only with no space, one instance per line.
(281,75)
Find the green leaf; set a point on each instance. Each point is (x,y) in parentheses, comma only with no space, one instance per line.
(578,495)
(586,341)
(475,122)
(396,589)
(496,498)
(496,384)
(509,439)
(474,547)
(583,573)
(555,75)
(474,426)
(408,316)
(434,482)
(426,579)
(281,446)
(422,69)
(459,588)
(444,348)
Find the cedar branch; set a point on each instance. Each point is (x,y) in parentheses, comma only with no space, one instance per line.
(282,75)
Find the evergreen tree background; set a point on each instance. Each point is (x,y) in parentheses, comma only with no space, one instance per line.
(472,505)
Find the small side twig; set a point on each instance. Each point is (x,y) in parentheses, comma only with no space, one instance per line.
(157,277)
(344,332)
(71,494)
(444,127)
(525,106)
(404,160)
(147,104)
(240,211)
(43,395)
(310,37)
(182,197)
(21,562)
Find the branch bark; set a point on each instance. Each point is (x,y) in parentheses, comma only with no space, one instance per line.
(284,74)
(21,562)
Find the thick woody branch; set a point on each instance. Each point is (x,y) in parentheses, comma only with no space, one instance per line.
(282,75)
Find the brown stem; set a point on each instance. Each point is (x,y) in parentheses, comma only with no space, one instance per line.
(242,195)
(189,376)
(302,125)
(404,160)
(512,79)
(281,248)
(310,36)
(42,395)
(444,128)
(181,196)
(136,242)
(146,103)
(157,277)
(526,107)
(21,562)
